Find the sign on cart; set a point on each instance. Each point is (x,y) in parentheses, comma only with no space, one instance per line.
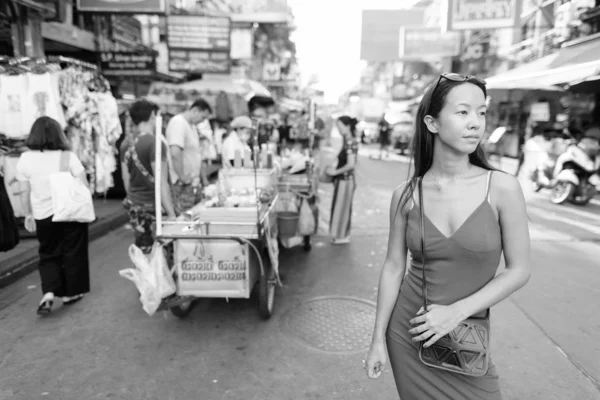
(212,268)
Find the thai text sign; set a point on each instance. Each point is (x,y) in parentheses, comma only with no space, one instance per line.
(424,43)
(195,32)
(127,64)
(481,14)
(212,268)
(199,61)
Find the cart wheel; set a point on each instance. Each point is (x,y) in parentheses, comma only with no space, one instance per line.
(307,244)
(266,290)
(183,309)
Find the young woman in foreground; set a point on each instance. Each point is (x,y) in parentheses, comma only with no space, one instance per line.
(471,215)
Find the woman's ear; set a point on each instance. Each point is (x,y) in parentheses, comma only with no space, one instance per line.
(431,124)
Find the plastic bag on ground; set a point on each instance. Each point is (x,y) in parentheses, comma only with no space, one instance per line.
(145,278)
(164,278)
(306,221)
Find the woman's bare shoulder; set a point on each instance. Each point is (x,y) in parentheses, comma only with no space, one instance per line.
(507,189)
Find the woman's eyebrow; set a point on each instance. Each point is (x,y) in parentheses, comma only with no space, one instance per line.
(469,105)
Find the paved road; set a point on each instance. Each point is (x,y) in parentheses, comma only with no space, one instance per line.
(105,347)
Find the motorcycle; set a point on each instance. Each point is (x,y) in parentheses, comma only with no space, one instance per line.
(574,176)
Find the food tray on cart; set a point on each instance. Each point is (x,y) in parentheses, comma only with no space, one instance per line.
(234,221)
(243,178)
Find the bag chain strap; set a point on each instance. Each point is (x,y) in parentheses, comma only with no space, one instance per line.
(424,283)
(132,154)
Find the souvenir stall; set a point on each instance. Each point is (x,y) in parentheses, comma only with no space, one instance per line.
(227,244)
(69,91)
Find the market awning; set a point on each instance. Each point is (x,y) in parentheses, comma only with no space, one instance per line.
(588,85)
(572,63)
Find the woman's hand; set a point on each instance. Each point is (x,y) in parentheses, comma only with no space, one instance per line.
(30,224)
(331,171)
(437,322)
(376,359)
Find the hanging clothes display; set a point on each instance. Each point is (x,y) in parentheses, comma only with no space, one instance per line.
(93,125)
(9,229)
(17,117)
(43,99)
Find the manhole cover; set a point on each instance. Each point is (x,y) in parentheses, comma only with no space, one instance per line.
(332,324)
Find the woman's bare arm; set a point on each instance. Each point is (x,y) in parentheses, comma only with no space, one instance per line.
(393,268)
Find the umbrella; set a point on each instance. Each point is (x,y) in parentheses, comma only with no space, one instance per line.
(587,85)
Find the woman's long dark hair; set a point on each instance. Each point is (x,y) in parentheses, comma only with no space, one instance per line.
(431,104)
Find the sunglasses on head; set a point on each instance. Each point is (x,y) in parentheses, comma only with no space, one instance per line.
(458,78)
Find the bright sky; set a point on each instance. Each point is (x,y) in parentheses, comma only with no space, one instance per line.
(328,39)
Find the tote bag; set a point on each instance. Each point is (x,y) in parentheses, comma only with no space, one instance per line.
(71,198)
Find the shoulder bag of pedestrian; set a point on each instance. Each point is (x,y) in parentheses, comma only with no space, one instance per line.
(465,350)
(71,198)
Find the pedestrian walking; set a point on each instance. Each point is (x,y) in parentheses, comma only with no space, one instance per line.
(186,153)
(64,260)
(344,182)
(138,168)
(456,215)
(384,137)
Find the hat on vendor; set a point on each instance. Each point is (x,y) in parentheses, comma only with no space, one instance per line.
(241,122)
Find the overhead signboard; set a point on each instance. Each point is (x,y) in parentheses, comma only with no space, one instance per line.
(427,43)
(199,43)
(199,61)
(379,36)
(123,6)
(198,32)
(480,14)
(127,64)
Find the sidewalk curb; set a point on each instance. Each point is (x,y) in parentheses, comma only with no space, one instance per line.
(26,262)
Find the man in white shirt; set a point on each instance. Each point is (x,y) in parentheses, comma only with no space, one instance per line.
(237,140)
(186,153)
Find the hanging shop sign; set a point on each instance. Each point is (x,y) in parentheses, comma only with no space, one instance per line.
(480,14)
(127,64)
(198,32)
(123,6)
(271,72)
(242,41)
(379,35)
(199,61)
(199,43)
(423,43)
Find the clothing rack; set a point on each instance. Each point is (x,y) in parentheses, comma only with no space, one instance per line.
(72,61)
(26,62)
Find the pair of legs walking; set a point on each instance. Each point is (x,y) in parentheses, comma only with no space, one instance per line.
(64,261)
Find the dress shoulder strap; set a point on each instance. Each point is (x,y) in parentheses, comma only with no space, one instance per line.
(488,187)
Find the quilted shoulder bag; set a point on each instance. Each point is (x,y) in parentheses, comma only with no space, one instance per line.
(465,350)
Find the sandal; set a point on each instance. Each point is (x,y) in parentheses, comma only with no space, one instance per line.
(72,300)
(45,307)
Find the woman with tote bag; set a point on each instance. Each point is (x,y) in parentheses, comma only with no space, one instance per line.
(63,251)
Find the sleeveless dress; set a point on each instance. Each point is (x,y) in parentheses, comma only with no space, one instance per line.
(457,266)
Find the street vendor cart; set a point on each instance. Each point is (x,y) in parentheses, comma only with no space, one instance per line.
(301,190)
(226,246)
(298,189)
